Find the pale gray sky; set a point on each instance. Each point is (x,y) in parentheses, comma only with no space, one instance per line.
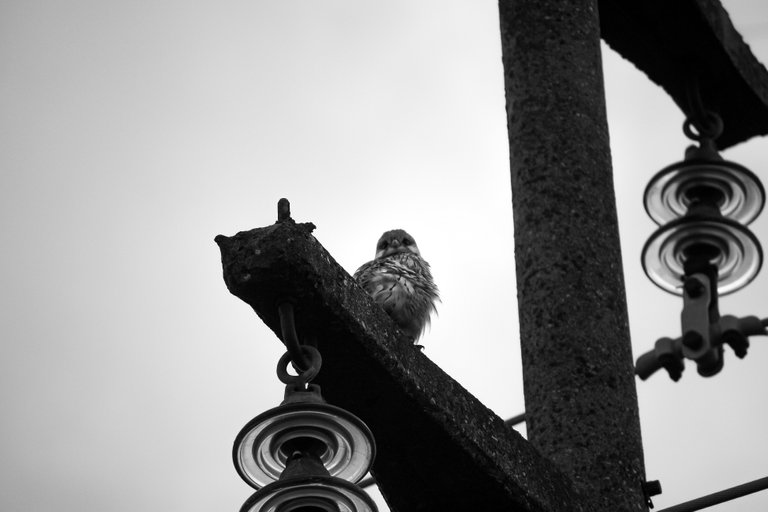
(134,132)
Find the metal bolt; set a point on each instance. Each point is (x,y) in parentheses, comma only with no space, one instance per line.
(283,210)
(693,287)
(693,340)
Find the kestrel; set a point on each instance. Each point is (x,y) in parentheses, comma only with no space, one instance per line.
(400,281)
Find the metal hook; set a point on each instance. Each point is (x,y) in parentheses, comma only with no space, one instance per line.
(709,127)
(305,376)
(290,338)
(708,124)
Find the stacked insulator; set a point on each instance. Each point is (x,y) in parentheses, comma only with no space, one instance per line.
(703,205)
(305,455)
(702,250)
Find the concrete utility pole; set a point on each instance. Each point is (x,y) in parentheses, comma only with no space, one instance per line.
(581,405)
(578,372)
(440,449)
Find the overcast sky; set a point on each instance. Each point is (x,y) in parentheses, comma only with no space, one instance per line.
(134,132)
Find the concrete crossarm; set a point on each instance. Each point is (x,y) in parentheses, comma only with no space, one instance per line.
(674,41)
(439,448)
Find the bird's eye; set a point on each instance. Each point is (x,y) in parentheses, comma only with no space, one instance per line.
(383,245)
(407,241)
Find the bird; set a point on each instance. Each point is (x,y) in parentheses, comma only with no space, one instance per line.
(400,281)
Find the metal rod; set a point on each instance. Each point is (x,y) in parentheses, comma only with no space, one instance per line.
(283,210)
(290,338)
(515,420)
(720,497)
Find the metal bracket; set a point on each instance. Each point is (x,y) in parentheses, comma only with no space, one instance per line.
(703,336)
(697,323)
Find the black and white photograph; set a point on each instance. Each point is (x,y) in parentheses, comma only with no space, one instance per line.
(407,256)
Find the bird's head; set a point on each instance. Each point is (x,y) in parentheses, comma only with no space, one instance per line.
(395,241)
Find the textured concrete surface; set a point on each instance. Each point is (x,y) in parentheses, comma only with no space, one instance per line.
(675,41)
(578,375)
(438,447)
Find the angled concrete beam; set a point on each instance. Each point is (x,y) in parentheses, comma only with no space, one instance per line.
(675,41)
(439,448)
